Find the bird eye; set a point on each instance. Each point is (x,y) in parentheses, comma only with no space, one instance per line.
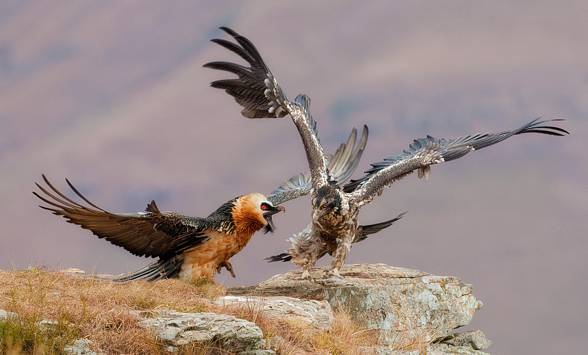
(265,206)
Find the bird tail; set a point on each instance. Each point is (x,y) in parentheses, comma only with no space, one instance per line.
(362,233)
(280,257)
(161,269)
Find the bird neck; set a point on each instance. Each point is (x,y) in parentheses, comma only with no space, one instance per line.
(246,218)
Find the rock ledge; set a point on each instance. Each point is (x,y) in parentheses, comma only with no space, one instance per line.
(404,306)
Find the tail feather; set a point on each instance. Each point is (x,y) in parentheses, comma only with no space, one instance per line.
(362,234)
(366,230)
(280,257)
(161,269)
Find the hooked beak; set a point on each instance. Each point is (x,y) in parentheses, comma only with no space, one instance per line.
(270,227)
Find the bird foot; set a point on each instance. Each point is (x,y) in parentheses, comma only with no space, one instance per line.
(334,273)
(227,265)
(306,275)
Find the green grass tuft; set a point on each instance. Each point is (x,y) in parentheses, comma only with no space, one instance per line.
(27,336)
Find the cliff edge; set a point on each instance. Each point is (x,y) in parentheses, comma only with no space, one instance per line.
(371,309)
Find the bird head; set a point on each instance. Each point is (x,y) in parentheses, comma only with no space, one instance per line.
(254,211)
(327,199)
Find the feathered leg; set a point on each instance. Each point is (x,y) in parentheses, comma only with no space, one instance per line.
(343,246)
(227,265)
(307,247)
(308,264)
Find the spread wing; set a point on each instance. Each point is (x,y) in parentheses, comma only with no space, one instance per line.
(150,233)
(341,165)
(424,152)
(257,91)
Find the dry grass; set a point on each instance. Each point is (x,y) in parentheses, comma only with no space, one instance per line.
(105,313)
(99,310)
(293,337)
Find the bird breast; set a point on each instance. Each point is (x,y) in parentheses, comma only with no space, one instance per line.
(218,248)
(336,222)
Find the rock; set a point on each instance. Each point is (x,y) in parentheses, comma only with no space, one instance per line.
(222,331)
(47,324)
(314,313)
(73,271)
(430,349)
(405,306)
(446,349)
(475,339)
(5,315)
(80,347)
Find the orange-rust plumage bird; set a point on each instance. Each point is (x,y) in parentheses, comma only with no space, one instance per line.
(189,248)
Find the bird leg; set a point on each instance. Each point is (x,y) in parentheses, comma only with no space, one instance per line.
(305,253)
(227,265)
(307,266)
(343,246)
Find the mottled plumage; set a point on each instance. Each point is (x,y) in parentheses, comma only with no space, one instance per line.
(186,247)
(424,152)
(335,208)
(334,220)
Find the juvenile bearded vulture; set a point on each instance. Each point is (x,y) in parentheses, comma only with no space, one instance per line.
(335,208)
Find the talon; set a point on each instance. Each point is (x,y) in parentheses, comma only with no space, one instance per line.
(335,273)
(305,275)
(227,265)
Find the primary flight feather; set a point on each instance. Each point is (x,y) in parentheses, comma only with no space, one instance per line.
(187,247)
(335,208)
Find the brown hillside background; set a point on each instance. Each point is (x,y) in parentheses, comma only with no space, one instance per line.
(113,95)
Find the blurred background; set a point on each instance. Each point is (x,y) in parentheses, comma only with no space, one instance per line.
(112,95)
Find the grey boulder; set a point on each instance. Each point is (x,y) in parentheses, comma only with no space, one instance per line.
(209,329)
(404,306)
(313,313)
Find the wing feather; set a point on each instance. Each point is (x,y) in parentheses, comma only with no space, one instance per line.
(424,152)
(341,165)
(151,233)
(258,92)
(256,89)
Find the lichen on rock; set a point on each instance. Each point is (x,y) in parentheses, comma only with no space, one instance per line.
(209,329)
(404,306)
(313,313)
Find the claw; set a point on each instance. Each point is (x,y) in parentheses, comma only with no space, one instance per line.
(334,273)
(227,265)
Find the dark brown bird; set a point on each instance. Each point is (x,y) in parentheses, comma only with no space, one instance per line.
(188,248)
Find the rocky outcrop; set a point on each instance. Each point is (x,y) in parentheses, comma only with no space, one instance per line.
(404,306)
(410,312)
(474,339)
(208,329)
(313,313)
(467,343)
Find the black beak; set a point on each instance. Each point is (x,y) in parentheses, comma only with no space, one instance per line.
(270,227)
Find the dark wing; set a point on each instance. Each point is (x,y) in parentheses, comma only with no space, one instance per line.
(424,152)
(341,165)
(258,92)
(150,233)
(256,89)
